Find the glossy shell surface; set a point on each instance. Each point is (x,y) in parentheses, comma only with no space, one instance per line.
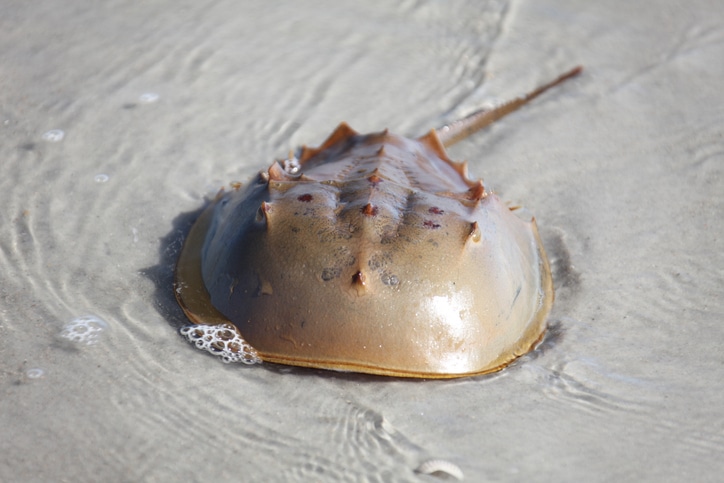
(372,253)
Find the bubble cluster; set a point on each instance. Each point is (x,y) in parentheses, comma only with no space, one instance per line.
(53,136)
(85,329)
(101,178)
(222,341)
(148,97)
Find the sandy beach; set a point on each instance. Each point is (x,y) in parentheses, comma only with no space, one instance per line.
(120,120)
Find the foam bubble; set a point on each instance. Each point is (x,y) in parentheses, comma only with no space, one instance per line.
(53,136)
(291,165)
(441,469)
(149,97)
(35,373)
(85,329)
(221,340)
(101,178)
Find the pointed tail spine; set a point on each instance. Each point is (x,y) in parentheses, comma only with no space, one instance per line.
(459,130)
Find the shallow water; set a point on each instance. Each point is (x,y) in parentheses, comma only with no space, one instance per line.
(117,120)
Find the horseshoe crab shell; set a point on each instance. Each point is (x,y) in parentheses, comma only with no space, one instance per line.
(372,253)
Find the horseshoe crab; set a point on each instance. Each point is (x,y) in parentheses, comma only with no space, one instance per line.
(372,253)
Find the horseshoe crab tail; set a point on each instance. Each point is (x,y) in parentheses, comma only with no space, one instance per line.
(459,130)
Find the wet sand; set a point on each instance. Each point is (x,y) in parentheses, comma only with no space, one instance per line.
(118,120)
